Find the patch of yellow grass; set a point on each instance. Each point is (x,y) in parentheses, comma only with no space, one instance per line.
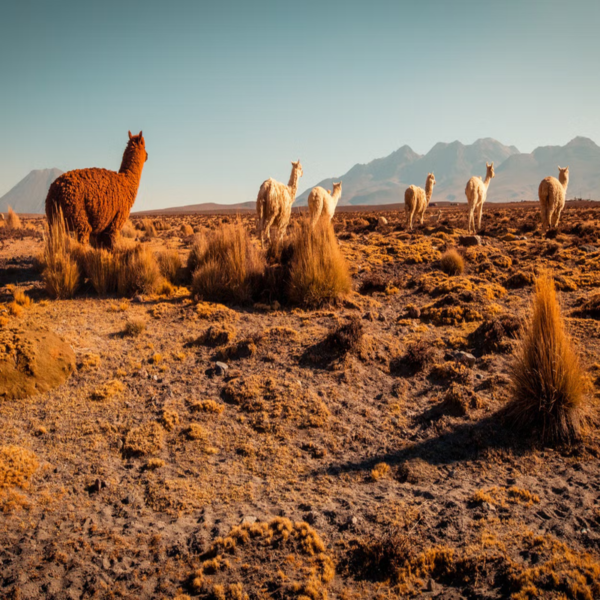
(17,465)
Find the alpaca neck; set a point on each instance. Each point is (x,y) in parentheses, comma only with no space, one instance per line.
(487,180)
(336,196)
(132,164)
(293,183)
(428,190)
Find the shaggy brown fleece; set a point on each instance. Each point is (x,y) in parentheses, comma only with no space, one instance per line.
(97,201)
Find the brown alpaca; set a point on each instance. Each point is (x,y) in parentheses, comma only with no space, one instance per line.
(322,203)
(274,204)
(97,201)
(416,200)
(552,193)
(476,192)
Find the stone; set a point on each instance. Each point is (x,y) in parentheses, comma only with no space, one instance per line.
(469,240)
(464,357)
(381,221)
(221,368)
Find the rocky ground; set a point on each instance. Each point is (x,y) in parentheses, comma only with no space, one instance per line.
(302,467)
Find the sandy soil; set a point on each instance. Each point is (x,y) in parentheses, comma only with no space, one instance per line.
(149,458)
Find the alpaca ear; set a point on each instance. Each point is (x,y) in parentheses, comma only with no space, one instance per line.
(130,136)
(140,134)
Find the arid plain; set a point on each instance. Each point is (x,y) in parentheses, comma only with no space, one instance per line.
(357,450)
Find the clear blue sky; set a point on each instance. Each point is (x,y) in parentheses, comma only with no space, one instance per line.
(229,92)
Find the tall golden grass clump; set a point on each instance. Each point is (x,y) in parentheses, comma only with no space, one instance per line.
(229,266)
(549,385)
(138,272)
(128,230)
(60,270)
(169,263)
(149,228)
(102,268)
(197,251)
(12,219)
(452,263)
(318,272)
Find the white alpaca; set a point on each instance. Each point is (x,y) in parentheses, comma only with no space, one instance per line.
(274,204)
(552,193)
(476,192)
(322,203)
(416,200)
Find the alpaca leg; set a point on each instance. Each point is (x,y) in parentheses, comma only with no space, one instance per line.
(283,224)
(479,216)
(266,232)
(412,214)
(469,228)
(550,217)
(556,217)
(544,216)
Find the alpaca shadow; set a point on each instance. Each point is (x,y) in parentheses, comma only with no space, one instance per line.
(466,442)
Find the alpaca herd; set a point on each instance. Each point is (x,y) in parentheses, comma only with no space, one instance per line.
(97,202)
(275,199)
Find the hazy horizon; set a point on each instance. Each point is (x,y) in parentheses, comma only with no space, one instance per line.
(227,95)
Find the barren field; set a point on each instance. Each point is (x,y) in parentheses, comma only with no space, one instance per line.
(325,456)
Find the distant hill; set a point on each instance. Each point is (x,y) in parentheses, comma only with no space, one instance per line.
(383,181)
(29,195)
(207,207)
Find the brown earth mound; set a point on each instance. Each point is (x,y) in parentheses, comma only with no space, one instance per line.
(32,361)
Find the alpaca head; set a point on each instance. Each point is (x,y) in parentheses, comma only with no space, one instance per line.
(490,170)
(298,168)
(431,179)
(563,174)
(337,188)
(137,144)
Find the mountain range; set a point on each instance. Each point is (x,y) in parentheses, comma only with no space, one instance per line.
(383,180)
(29,195)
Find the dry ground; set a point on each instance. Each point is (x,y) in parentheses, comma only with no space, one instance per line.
(390,460)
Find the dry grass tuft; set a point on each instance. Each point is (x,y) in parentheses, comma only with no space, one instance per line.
(138,272)
(128,230)
(452,263)
(17,465)
(134,327)
(318,273)
(12,220)
(549,386)
(381,471)
(216,335)
(102,269)
(108,390)
(60,270)
(149,228)
(207,406)
(229,267)
(20,297)
(169,263)
(186,230)
(144,440)
(347,337)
